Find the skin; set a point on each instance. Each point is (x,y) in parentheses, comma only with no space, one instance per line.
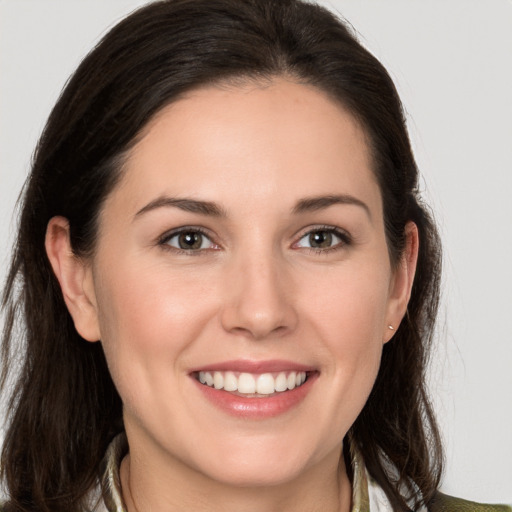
(254,291)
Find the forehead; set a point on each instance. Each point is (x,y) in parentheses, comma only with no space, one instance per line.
(253,140)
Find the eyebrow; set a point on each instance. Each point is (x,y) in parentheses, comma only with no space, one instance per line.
(310,204)
(188,205)
(209,208)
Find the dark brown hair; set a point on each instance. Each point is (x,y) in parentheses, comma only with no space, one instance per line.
(64,408)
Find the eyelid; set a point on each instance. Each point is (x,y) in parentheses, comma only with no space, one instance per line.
(342,234)
(163,240)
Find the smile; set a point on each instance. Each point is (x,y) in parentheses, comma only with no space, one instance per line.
(255,390)
(252,385)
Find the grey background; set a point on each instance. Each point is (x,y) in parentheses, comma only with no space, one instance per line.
(452,63)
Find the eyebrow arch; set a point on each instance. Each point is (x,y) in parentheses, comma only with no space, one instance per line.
(310,204)
(209,208)
(186,204)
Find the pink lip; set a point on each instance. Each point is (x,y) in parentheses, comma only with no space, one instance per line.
(256,408)
(243,365)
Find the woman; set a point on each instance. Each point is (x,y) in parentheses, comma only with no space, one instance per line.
(228,280)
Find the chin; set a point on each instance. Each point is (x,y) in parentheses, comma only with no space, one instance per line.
(255,474)
(258,462)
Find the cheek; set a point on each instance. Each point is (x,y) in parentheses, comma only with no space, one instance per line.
(348,314)
(350,303)
(149,317)
(150,301)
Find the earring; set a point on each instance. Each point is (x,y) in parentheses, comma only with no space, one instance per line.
(391,327)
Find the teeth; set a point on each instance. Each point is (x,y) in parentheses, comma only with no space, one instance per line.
(265,385)
(218,380)
(291,380)
(247,383)
(281,382)
(230,382)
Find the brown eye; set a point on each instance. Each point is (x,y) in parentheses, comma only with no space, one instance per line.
(320,239)
(323,239)
(190,240)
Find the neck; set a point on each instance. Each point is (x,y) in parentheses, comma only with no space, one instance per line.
(149,485)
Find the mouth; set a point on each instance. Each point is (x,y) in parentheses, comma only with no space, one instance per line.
(255,390)
(253,385)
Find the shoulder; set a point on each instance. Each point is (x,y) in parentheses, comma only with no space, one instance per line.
(445,503)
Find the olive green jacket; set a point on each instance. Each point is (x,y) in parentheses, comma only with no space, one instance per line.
(444,503)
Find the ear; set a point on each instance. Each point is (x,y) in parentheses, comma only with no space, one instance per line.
(75,279)
(401,282)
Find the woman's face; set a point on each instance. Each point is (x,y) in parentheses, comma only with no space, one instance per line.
(244,245)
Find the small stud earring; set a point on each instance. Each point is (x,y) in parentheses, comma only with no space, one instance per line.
(391,327)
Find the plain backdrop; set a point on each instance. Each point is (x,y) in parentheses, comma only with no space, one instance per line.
(452,63)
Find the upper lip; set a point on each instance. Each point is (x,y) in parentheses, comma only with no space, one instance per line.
(248,366)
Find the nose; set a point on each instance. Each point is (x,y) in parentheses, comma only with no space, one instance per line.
(259,298)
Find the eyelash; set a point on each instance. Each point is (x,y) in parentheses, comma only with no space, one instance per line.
(345,238)
(163,241)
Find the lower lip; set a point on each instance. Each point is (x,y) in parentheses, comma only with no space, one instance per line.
(256,407)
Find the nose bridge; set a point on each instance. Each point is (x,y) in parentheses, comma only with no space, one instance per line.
(258,297)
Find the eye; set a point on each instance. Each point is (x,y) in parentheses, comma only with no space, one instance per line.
(323,239)
(188,240)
